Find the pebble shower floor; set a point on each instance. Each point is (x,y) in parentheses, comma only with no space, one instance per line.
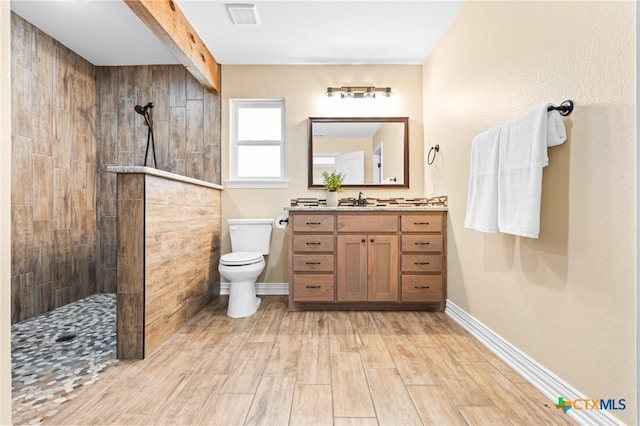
(54,354)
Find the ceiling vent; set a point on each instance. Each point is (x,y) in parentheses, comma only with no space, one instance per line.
(243,14)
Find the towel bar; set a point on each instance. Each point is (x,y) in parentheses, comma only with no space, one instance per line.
(565,108)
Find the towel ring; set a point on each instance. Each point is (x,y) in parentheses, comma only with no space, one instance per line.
(435,150)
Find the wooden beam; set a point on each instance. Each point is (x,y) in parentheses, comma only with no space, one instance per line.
(165,19)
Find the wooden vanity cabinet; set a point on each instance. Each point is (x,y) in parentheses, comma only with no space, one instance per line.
(423,261)
(367,252)
(382,259)
(312,258)
(367,268)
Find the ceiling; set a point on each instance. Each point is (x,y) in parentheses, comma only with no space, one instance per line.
(107,32)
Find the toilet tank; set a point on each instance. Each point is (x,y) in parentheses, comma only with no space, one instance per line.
(250,234)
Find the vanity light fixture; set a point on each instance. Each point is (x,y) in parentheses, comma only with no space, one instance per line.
(359,92)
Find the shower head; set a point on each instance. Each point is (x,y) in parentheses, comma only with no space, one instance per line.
(142,110)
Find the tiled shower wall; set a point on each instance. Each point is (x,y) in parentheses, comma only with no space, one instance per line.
(53,208)
(70,120)
(186,125)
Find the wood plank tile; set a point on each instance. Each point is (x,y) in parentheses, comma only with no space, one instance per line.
(189,405)
(412,366)
(272,402)
(43,251)
(21,171)
(391,400)
(21,239)
(195,118)
(355,421)
(61,199)
(130,328)
(78,217)
(550,411)
(341,334)
(484,415)
(314,365)
(266,330)
(311,405)
(21,101)
(434,406)
(349,386)
(453,377)
(193,378)
(227,409)
(177,133)
(22,305)
(372,347)
(285,356)
(177,86)
(507,396)
(42,187)
(62,136)
(246,368)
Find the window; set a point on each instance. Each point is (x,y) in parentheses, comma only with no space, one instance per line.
(257,144)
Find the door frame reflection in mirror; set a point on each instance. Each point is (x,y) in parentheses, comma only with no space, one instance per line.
(313,123)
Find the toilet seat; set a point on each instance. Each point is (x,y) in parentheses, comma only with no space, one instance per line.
(241,258)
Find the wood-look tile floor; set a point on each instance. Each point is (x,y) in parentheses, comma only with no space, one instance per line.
(313,368)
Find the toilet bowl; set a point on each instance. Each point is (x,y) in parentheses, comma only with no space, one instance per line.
(250,240)
(242,269)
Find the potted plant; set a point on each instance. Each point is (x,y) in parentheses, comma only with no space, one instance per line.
(332,184)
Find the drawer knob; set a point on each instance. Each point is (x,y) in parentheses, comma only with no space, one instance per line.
(312,286)
(364,240)
(422,287)
(313,263)
(312,243)
(420,223)
(372,240)
(419,243)
(420,263)
(313,223)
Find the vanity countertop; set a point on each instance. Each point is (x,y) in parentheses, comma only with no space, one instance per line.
(434,204)
(390,208)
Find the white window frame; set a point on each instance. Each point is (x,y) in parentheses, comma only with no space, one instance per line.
(256,182)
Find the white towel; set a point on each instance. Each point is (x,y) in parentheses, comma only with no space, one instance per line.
(482,200)
(523,154)
(505,174)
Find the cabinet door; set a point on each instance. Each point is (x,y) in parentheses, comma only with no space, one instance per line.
(352,268)
(382,262)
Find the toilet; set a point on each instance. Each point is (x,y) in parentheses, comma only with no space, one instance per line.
(250,240)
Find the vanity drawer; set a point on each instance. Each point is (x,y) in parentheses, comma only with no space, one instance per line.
(422,288)
(313,287)
(422,243)
(313,243)
(421,262)
(313,223)
(367,223)
(422,223)
(313,262)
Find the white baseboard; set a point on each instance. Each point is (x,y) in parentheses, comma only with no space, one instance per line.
(542,379)
(262,289)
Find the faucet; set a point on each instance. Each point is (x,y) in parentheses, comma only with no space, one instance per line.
(361,201)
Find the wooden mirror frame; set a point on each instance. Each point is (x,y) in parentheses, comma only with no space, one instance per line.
(404,120)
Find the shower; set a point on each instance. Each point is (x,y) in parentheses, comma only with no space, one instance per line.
(143,110)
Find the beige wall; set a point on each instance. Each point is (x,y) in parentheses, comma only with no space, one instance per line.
(566,299)
(5,214)
(303,89)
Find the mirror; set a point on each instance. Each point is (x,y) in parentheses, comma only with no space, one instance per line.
(369,151)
